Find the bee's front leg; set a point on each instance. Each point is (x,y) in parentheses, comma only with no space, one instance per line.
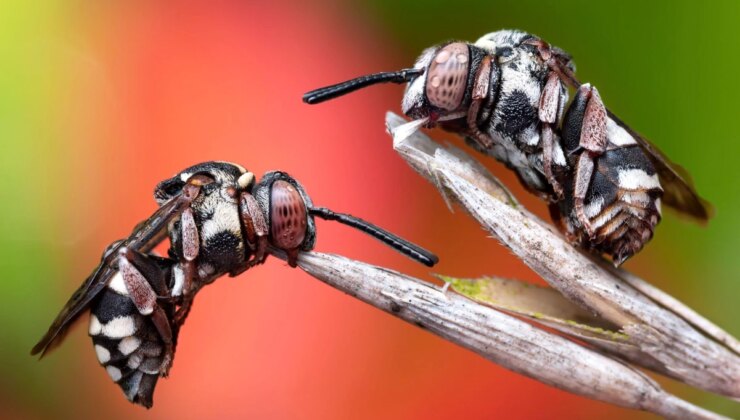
(256,230)
(550,110)
(481,91)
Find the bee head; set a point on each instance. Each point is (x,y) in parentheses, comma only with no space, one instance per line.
(285,206)
(439,86)
(442,90)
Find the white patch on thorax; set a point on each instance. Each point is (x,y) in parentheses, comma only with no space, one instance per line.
(179,280)
(225,219)
(531,136)
(117,285)
(502,38)
(102,353)
(119,327)
(635,179)
(617,135)
(520,78)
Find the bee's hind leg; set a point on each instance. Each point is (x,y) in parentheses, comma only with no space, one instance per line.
(145,281)
(584,131)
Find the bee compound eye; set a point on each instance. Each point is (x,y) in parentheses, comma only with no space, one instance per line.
(448,76)
(288,216)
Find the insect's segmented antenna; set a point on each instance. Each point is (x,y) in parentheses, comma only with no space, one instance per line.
(330,92)
(401,245)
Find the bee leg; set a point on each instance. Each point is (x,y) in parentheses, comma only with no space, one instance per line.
(190,247)
(185,272)
(550,110)
(558,60)
(184,310)
(584,173)
(480,92)
(187,267)
(591,129)
(144,298)
(255,230)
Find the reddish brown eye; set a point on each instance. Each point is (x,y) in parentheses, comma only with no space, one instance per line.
(447,77)
(288,218)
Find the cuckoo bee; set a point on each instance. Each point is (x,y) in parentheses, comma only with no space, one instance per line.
(506,94)
(219,221)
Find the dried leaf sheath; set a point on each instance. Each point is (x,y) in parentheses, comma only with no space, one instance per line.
(682,346)
(500,338)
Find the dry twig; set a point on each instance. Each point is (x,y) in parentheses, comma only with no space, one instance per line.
(623,319)
(685,345)
(500,338)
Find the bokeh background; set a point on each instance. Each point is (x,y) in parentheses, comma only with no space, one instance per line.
(101,100)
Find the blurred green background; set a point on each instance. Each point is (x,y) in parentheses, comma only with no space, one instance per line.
(668,68)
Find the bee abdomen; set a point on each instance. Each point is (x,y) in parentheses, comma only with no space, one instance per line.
(126,343)
(625,227)
(622,203)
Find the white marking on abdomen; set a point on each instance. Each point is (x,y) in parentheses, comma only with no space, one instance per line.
(594,207)
(135,360)
(617,135)
(128,345)
(606,216)
(95,326)
(114,373)
(102,353)
(637,198)
(119,327)
(635,179)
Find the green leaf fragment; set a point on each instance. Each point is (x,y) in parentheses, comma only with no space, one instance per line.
(542,304)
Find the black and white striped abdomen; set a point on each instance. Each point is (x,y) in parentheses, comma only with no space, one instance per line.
(126,343)
(622,203)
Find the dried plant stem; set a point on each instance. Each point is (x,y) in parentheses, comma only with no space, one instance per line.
(500,338)
(680,340)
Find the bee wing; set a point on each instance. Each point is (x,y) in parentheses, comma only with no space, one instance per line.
(678,188)
(145,236)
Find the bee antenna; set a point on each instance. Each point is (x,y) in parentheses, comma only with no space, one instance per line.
(399,244)
(330,92)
